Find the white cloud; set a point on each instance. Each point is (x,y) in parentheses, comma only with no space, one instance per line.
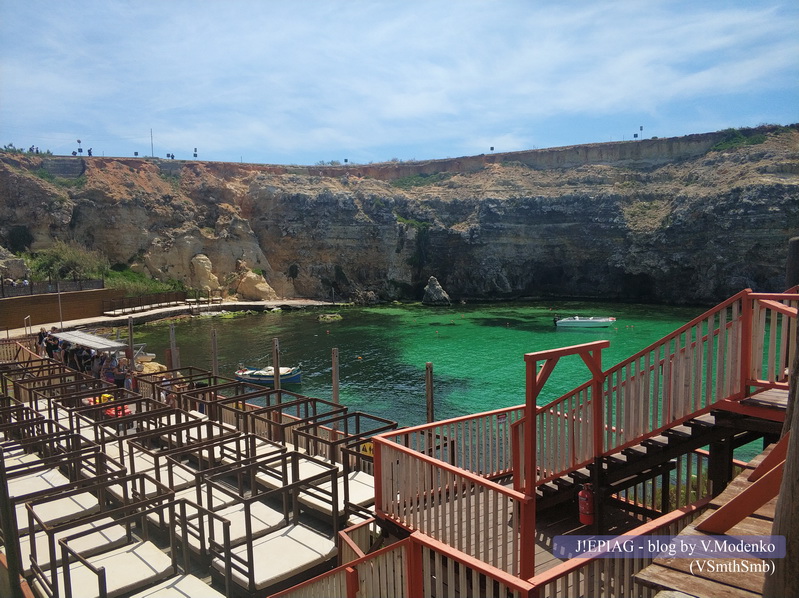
(293,81)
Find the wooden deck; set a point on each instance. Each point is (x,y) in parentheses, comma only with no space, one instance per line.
(725,578)
(563,521)
(773,398)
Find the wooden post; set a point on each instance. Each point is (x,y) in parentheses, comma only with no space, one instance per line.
(747,322)
(527,531)
(214,353)
(719,467)
(276,367)
(594,362)
(11,534)
(530,441)
(173,349)
(336,399)
(415,569)
(334,358)
(530,448)
(429,394)
(130,341)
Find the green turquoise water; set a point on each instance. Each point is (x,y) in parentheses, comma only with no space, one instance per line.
(477,350)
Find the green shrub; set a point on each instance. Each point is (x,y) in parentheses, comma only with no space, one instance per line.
(738,138)
(120,276)
(420,180)
(418,225)
(76,183)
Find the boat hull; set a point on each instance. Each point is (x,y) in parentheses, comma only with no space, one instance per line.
(266,375)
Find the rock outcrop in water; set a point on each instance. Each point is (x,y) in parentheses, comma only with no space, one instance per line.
(669,220)
(434,294)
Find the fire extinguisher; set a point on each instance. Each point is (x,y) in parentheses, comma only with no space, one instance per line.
(585,505)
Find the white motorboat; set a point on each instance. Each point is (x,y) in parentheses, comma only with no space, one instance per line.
(584,322)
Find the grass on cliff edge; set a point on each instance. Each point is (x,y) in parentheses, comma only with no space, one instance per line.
(420,180)
(135,283)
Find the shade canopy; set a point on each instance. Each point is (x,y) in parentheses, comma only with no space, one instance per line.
(90,341)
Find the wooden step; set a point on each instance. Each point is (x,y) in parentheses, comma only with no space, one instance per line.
(634,452)
(549,488)
(616,458)
(703,422)
(678,432)
(581,476)
(564,483)
(656,443)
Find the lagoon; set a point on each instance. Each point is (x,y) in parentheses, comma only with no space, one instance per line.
(477,350)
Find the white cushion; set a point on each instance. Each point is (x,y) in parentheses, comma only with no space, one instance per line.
(127,569)
(105,539)
(361,492)
(34,482)
(262,519)
(281,555)
(183,586)
(58,510)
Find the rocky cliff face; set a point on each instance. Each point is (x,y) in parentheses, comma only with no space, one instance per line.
(680,224)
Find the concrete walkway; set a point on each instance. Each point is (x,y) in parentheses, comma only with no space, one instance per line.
(166,312)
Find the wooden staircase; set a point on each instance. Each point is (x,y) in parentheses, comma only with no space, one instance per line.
(651,458)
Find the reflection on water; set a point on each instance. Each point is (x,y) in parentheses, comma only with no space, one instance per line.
(477,350)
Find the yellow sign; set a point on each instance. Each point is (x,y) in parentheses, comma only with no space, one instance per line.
(368,449)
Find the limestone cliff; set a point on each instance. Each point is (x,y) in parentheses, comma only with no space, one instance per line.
(664,220)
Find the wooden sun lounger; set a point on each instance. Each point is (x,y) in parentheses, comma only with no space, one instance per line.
(218,499)
(278,556)
(58,510)
(180,586)
(108,538)
(126,568)
(360,488)
(134,566)
(261,517)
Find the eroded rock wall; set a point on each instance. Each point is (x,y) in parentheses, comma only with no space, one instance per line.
(675,226)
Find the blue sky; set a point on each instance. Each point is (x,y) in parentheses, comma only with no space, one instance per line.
(302,81)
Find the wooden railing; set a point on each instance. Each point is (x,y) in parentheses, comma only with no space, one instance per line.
(603,576)
(422,566)
(415,566)
(677,378)
(687,483)
(17,349)
(128,305)
(773,332)
(478,443)
(464,511)
(565,434)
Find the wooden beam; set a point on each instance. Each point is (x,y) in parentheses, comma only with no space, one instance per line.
(776,455)
(542,376)
(593,360)
(746,503)
(786,310)
(565,351)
